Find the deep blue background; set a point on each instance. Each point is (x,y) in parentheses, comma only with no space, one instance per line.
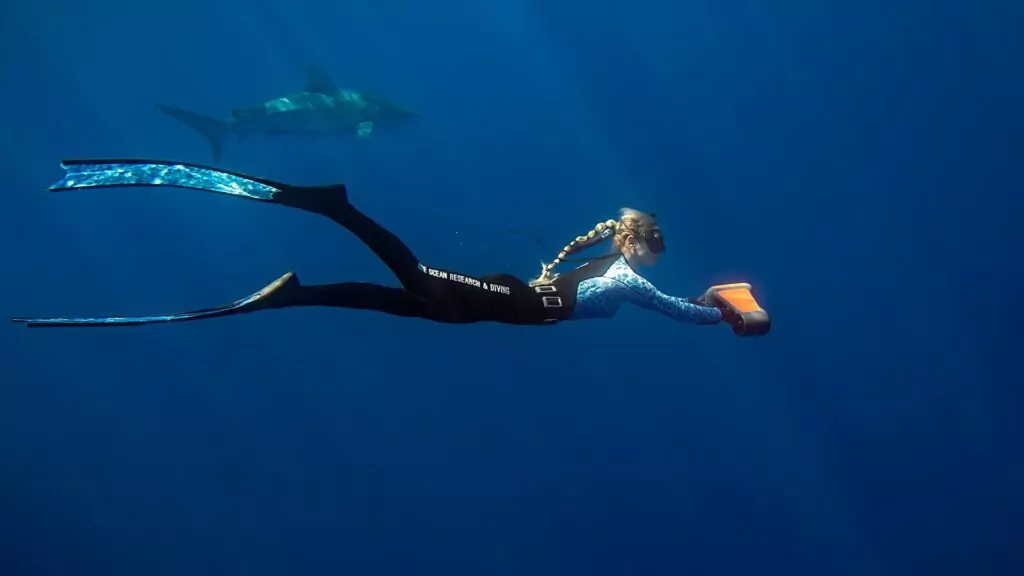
(859,164)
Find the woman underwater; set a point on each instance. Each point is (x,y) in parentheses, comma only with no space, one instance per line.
(594,290)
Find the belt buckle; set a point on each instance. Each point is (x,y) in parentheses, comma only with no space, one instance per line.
(552,301)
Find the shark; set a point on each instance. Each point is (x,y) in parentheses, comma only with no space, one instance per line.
(322,108)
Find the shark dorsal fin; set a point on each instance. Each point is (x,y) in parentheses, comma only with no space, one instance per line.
(320,82)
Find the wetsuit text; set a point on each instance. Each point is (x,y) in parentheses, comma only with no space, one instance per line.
(462,279)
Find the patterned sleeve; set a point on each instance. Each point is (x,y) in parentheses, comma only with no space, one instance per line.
(642,293)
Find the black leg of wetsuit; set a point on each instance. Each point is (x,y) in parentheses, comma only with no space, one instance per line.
(354,295)
(332,202)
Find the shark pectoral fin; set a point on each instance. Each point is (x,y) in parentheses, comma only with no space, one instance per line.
(363,129)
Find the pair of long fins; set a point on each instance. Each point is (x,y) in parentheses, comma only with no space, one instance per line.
(82,174)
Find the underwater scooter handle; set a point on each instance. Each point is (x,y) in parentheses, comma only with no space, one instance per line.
(739,308)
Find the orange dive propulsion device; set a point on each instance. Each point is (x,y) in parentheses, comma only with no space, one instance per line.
(750,318)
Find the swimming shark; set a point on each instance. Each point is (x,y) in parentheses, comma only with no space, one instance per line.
(323,108)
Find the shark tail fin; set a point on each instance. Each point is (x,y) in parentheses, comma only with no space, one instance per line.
(213,129)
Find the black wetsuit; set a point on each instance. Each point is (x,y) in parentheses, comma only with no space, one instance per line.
(594,290)
(432,293)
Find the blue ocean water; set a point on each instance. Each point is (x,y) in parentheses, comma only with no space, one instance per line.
(858,163)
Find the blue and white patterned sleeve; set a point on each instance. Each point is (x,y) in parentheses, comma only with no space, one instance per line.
(642,293)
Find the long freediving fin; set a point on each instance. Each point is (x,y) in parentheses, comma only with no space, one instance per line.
(328,200)
(80,174)
(273,295)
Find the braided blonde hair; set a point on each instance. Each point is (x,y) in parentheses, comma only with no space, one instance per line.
(630,223)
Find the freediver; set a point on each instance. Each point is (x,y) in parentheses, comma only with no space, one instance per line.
(596,289)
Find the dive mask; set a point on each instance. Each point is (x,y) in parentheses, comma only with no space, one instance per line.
(655,241)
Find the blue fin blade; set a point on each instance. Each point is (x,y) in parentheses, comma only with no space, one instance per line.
(246,304)
(82,174)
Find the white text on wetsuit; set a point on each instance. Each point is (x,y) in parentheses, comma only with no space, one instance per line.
(462,279)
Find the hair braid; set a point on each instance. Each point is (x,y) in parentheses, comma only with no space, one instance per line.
(601,232)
